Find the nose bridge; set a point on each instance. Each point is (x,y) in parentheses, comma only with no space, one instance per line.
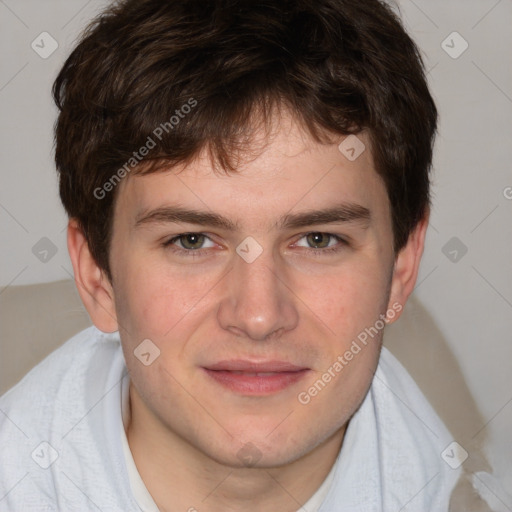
(257,302)
(259,279)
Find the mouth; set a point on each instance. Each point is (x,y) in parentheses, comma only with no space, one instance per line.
(255,379)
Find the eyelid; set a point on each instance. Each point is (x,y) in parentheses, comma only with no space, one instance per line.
(181,235)
(338,238)
(189,253)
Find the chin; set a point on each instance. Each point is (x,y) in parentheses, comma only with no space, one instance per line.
(260,446)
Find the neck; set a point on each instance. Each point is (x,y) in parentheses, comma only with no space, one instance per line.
(180,477)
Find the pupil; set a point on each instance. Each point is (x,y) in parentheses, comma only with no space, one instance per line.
(317,238)
(192,239)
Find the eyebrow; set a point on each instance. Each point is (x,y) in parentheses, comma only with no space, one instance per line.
(342,213)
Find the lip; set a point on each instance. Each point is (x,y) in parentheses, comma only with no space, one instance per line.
(243,365)
(255,378)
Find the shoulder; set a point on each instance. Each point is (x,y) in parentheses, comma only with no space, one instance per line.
(64,365)
(394,443)
(416,445)
(46,419)
(392,384)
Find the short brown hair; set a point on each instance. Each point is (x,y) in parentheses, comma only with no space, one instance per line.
(339,66)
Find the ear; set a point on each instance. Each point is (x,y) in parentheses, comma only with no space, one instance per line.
(406,268)
(92,283)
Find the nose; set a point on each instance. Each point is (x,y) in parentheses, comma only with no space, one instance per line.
(257,301)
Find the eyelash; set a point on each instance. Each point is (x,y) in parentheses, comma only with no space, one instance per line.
(196,253)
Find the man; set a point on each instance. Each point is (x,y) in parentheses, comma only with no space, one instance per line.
(248,193)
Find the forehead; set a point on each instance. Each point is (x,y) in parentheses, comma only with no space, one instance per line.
(286,170)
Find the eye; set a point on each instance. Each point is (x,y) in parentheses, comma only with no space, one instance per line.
(188,243)
(322,242)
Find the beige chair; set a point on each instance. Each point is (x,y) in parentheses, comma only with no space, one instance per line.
(35,320)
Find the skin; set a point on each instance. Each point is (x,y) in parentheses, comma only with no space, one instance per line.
(293,303)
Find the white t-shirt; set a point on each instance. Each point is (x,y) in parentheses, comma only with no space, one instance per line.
(62,435)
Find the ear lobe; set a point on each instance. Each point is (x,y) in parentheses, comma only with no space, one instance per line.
(407,263)
(92,283)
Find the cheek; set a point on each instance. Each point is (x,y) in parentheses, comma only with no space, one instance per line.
(353,307)
(348,300)
(163,303)
(149,302)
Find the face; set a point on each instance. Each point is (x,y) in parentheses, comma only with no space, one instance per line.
(253,314)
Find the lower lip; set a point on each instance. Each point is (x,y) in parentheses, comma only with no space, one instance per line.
(256,385)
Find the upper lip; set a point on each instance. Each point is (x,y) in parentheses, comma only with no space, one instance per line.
(239,365)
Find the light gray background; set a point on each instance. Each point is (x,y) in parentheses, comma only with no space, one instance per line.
(469,301)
